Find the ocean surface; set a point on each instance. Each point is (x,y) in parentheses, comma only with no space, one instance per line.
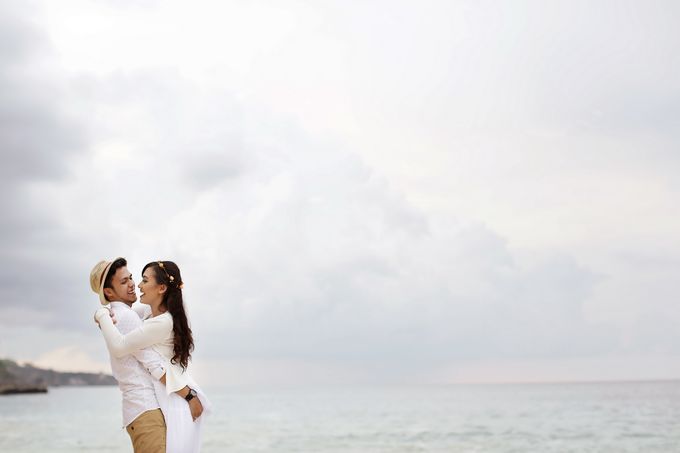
(636,417)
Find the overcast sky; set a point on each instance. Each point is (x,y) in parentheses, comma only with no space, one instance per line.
(420,192)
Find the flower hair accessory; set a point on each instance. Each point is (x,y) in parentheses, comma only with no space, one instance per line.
(170,277)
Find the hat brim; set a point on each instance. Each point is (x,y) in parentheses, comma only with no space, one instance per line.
(102,298)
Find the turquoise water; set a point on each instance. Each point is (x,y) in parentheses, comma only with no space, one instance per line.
(613,417)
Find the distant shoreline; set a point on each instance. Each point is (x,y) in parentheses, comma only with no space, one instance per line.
(19,390)
(18,379)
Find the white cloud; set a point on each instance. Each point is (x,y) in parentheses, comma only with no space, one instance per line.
(71,358)
(423,186)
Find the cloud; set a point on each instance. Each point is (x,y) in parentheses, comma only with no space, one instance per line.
(39,139)
(70,359)
(412,188)
(363,277)
(310,251)
(21,38)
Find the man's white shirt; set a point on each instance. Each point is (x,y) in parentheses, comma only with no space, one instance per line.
(134,371)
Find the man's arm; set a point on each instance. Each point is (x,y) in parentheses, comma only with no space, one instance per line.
(195,404)
(151,360)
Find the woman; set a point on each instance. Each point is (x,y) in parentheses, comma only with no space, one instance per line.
(166,331)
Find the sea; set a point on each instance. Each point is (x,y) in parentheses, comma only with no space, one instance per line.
(635,417)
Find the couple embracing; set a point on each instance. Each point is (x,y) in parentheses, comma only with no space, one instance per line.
(150,346)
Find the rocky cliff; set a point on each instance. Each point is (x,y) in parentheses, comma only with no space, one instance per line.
(15,378)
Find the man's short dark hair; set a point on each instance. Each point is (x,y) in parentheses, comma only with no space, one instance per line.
(117,264)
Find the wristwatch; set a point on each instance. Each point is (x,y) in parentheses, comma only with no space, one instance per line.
(192,394)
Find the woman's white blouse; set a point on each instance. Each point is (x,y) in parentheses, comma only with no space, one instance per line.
(155,332)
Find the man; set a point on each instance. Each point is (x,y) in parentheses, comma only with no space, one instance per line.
(142,416)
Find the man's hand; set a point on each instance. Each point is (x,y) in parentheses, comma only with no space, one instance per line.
(196,408)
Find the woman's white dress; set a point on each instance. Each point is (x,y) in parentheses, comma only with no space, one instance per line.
(183,434)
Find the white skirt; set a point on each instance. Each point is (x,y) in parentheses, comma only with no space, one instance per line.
(183,433)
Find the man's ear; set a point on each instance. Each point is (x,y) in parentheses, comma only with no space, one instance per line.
(108,292)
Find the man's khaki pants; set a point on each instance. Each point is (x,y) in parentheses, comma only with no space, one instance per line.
(148,432)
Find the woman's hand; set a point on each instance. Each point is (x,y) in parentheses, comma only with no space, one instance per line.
(196,408)
(100,312)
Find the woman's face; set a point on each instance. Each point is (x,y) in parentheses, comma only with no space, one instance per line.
(152,292)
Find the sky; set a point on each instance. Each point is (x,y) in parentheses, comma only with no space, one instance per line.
(356,192)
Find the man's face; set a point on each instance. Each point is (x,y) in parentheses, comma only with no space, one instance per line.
(122,287)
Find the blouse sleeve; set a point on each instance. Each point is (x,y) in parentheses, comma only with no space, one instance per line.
(152,331)
(175,377)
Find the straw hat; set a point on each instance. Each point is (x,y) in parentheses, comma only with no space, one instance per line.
(97,277)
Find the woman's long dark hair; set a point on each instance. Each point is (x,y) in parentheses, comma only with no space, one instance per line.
(167,273)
